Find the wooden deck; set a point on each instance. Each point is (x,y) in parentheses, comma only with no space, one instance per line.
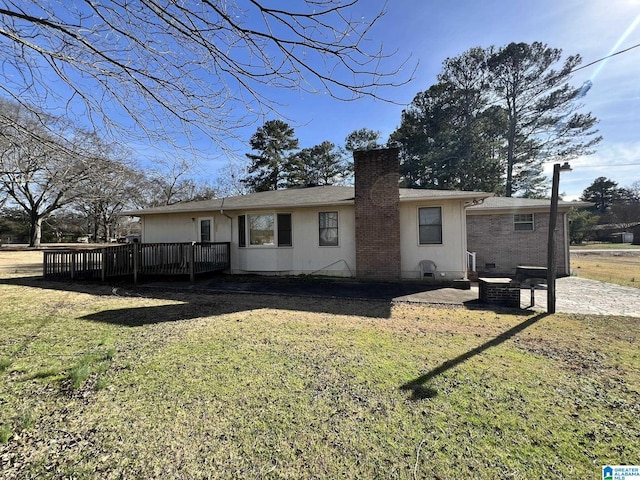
(136,259)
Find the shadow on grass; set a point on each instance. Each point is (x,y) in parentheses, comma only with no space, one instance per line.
(220,295)
(206,300)
(418,388)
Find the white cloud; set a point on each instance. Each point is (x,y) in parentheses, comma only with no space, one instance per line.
(619,162)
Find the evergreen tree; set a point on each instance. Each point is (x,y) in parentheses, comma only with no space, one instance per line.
(319,165)
(362,139)
(492,119)
(449,137)
(541,108)
(604,193)
(274,142)
(580,224)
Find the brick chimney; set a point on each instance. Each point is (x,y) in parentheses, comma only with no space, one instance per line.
(377,214)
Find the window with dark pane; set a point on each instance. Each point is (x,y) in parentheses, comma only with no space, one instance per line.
(284,230)
(430,225)
(242,231)
(205,230)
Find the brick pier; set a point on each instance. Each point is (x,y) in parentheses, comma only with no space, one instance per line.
(500,291)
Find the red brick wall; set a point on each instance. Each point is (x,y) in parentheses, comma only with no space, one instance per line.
(495,241)
(377,214)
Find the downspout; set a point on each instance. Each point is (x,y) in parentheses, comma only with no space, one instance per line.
(463,229)
(143,234)
(230,231)
(222,210)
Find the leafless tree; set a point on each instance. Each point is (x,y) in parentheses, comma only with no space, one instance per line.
(229,179)
(174,181)
(115,185)
(203,67)
(41,172)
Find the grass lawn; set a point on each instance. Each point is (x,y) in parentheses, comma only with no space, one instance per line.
(621,269)
(104,383)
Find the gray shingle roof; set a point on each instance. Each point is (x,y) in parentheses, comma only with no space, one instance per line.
(513,203)
(298,197)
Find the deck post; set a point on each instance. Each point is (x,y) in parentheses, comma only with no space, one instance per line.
(73,264)
(135,262)
(192,257)
(103,274)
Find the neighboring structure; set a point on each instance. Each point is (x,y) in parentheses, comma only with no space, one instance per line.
(373,231)
(636,235)
(615,232)
(507,232)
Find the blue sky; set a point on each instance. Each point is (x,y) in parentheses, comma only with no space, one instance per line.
(426,32)
(430,31)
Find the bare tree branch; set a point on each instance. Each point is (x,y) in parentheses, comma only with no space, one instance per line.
(194,67)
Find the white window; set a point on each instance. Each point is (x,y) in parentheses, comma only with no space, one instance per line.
(265,229)
(261,229)
(523,221)
(430,225)
(328,232)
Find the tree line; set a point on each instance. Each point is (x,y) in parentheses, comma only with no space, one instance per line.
(618,207)
(489,123)
(66,178)
(277,161)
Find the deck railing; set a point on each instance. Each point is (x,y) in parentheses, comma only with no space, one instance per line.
(137,259)
(471,261)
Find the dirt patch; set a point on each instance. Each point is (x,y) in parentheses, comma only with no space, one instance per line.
(578,361)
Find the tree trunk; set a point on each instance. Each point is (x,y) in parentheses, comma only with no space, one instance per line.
(511,142)
(35,229)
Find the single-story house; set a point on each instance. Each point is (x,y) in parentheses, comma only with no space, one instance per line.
(507,232)
(373,230)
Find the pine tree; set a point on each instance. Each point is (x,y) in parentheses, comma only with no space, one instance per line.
(322,164)
(274,142)
(492,119)
(541,108)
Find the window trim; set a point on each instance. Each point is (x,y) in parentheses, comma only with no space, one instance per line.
(278,229)
(337,228)
(441,225)
(524,222)
(211,229)
(244,230)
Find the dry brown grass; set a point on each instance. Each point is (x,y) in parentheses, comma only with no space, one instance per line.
(621,269)
(20,262)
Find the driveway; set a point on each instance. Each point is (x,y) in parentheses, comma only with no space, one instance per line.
(581,295)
